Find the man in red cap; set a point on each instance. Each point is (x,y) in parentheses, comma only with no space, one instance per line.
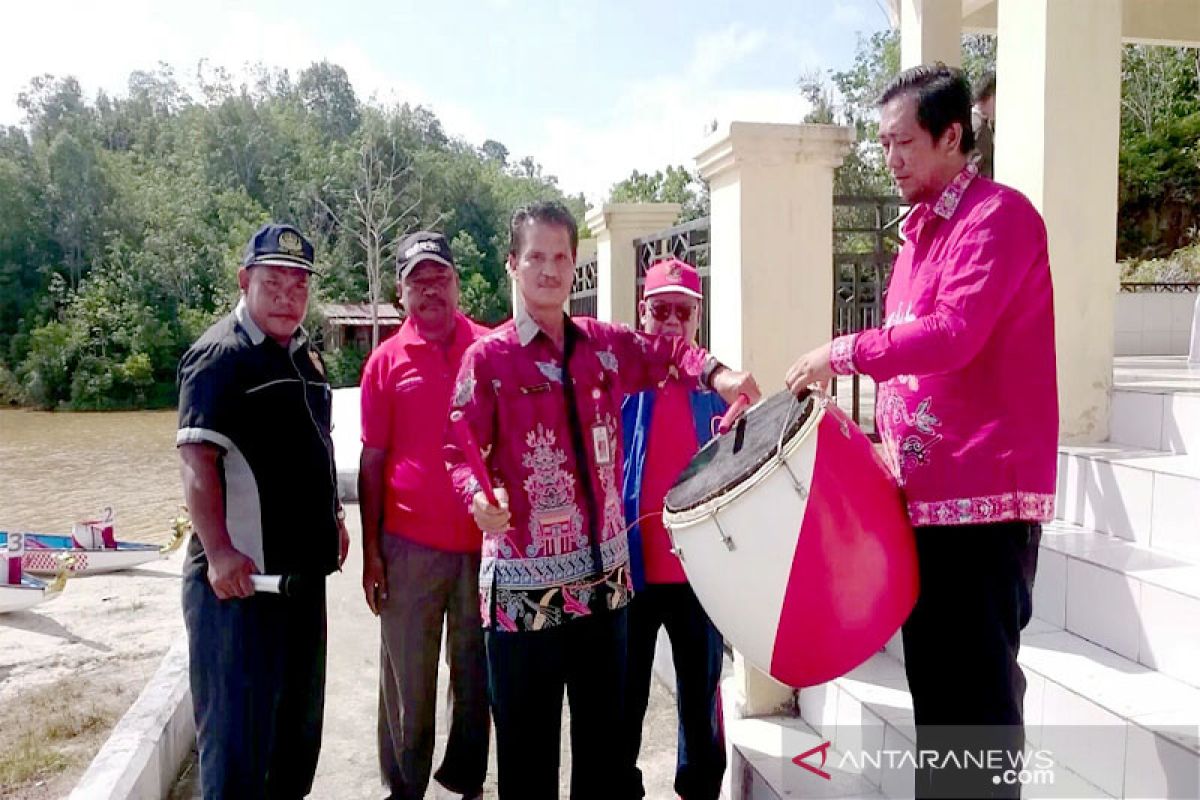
(664,427)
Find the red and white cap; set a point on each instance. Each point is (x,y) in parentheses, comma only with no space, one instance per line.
(673,275)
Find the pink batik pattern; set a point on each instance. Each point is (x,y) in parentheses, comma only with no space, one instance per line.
(542,571)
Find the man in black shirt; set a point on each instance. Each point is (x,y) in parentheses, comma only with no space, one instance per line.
(260,481)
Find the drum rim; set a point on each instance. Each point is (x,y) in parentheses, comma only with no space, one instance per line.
(701,512)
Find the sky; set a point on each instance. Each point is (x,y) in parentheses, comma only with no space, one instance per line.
(592,90)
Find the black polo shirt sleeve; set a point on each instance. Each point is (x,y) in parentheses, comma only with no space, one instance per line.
(207,397)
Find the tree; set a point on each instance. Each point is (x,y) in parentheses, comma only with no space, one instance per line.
(494,151)
(52,104)
(674,185)
(122,220)
(1158,84)
(382,206)
(327,94)
(479,298)
(77,194)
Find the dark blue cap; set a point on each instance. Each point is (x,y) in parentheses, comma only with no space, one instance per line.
(279,246)
(419,247)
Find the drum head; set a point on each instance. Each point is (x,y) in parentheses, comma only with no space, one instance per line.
(726,461)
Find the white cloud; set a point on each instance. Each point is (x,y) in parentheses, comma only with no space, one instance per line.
(849,14)
(654,122)
(101,47)
(663,120)
(717,50)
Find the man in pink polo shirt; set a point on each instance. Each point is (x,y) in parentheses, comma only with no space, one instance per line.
(968,411)
(420,546)
(664,427)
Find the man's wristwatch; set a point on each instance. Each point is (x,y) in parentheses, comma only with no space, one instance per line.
(341,513)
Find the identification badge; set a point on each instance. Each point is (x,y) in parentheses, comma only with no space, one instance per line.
(600,444)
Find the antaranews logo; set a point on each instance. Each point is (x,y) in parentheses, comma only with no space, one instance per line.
(823,749)
(1023,768)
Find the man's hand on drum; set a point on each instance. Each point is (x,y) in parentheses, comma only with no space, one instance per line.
(730,383)
(491,518)
(813,368)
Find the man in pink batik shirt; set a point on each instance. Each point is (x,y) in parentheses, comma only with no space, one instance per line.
(542,397)
(968,411)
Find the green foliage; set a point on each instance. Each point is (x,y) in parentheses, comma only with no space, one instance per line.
(1160,132)
(11,391)
(1160,151)
(122,219)
(675,185)
(480,300)
(344,366)
(1182,266)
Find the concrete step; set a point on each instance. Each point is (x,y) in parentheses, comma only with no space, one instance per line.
(1154,418)
(1114,728)
(761,752)
(1148,497)
(1139,603)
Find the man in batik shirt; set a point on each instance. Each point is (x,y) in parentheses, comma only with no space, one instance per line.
(542,395)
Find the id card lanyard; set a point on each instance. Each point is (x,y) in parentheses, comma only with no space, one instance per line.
(584,464)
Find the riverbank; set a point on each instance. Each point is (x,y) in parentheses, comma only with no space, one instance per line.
(70,667)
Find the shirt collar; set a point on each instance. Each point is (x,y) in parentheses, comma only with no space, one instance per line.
(248,324)
(528,329)
(410,336)
(256,334)
(952,195)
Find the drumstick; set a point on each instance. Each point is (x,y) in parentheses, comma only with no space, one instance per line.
(466,443)
(286,585)
(731,416)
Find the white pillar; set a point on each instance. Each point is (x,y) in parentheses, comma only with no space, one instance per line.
(771,275)
(615,226)
(1058,112)
(772,242)
(930,31)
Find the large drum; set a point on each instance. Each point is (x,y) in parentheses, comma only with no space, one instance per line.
(796,540)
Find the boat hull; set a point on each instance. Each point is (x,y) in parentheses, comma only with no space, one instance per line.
(29,593)
(42,556)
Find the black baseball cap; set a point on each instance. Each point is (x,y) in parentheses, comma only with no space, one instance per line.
(277,245)
(422,246)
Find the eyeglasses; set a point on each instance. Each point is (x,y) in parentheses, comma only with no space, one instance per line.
(662,311)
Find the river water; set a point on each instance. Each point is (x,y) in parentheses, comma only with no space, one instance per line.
(56,468)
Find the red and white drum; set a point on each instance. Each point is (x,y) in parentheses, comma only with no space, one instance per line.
(796,540)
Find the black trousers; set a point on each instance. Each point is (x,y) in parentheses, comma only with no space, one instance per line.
(527,673)
(960,650)
(258,689)
(697,652)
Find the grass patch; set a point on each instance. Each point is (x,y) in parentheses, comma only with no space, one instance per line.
(40,739)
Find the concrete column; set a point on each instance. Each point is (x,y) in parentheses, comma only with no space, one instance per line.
(615,226)
(772,242)
(1058,111)
(930,31)
(772,274)
(584,252)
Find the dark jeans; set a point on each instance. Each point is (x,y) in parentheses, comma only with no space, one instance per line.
(258,689)
(960,648)
(426,586)
(528,671)
(697,652)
